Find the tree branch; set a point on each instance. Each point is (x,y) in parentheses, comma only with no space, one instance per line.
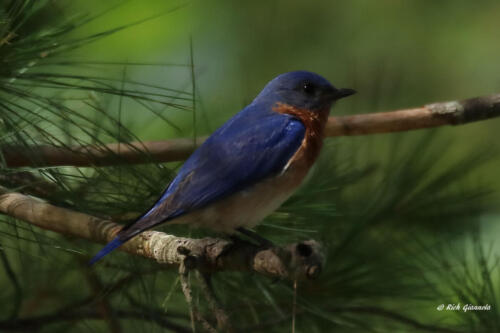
(431,115)
(428,116)
(303,260)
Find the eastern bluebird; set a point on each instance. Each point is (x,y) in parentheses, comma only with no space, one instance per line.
(249,166)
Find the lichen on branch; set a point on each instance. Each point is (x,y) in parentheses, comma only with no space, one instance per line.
(297,260)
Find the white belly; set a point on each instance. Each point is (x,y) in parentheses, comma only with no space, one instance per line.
(246,208)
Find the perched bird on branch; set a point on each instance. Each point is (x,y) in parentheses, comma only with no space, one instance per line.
(249,166)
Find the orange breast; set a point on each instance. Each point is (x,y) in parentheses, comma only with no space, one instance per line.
(314,122)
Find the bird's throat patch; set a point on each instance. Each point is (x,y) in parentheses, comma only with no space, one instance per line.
(314,121)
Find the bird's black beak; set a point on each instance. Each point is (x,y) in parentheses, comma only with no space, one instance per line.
(343,92)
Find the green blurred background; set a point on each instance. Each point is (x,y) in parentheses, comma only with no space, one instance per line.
(397,54)
(409,220)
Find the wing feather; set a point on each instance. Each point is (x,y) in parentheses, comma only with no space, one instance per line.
(251,146)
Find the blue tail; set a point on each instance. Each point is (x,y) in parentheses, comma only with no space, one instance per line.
(105,250)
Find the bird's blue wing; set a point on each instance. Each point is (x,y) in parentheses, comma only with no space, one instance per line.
(245,150)
(251,146)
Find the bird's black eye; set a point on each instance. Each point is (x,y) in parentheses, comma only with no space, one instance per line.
(308,88)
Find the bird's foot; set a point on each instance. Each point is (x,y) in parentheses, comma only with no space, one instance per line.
(251,238)
(261,241)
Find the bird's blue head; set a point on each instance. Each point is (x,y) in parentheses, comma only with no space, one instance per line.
(303,90)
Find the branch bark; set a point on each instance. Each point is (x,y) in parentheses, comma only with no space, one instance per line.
(428,116)
(302,260)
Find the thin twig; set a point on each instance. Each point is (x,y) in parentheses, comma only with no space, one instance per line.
(428,116)
(186,290)
(194,313)
(223,323)
(99,155)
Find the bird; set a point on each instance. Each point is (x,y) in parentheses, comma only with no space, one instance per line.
(250,165)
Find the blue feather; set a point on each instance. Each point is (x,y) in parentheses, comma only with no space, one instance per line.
(105,250)
(255,144)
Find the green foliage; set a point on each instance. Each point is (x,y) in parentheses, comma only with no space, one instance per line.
(402,225)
